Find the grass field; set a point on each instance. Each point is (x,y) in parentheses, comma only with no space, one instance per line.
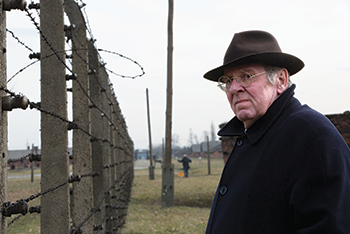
(22,188)
(192,201)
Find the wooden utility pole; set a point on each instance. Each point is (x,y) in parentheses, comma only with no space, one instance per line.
(32,166)
(151,166)
(208,148)
(168,168)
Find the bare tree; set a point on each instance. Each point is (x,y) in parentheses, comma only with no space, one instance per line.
(205,135)
(190,138)
(196,139)
(212,133)
(175,141)
(158,150)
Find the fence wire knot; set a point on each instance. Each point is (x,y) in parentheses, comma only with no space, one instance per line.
(73,178)
(21,207)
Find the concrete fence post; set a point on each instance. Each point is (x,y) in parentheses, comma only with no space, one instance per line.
(3,119)
(118,151)
(117,147)
(54,138)
(112,152)
(97,132)
(106,144)
(82,201)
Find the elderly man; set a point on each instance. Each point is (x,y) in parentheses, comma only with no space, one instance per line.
(289,171)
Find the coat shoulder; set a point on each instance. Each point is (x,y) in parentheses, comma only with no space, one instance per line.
(308,121)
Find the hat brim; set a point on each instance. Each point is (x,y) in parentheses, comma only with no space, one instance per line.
(290,62)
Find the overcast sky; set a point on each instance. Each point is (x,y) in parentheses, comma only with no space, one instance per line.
(317,32)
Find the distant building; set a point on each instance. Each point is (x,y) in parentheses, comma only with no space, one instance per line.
(141,154)
(342,123)
(24,163)
(201,150)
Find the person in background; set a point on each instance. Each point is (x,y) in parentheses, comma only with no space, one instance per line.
(289,170)
(185,163)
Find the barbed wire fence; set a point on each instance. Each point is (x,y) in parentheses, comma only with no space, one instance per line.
(102,151)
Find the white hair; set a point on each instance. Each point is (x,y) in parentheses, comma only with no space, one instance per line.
(272,71)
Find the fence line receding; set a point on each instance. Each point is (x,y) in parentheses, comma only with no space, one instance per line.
(95,196)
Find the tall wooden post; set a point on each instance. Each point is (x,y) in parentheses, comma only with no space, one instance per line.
(208,148)
(32,166)
(3,118)
(54,137)
(151,166)
(168,168)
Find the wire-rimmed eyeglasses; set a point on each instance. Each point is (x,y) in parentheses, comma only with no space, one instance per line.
(243,78)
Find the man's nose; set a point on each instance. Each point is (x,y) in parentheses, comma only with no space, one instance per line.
(235,87)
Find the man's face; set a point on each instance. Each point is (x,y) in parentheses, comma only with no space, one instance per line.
(250,103)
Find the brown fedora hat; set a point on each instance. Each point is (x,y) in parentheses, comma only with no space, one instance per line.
(255,47)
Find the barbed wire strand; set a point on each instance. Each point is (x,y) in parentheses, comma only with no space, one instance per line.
(15,219)
(55,53)
(104,219)
(36,106)
(98,82)
(127,58)
(10,161)
(73,178)
(60,59)
(101,201)
(19,41)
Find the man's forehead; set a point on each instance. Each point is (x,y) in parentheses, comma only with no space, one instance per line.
(246,67)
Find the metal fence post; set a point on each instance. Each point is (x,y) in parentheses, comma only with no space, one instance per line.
(54,137)
(82,201)
(3,119)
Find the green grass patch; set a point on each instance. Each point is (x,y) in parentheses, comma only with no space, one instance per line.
(23,172)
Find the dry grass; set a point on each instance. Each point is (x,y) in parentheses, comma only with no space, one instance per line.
(192,201)
(19,189)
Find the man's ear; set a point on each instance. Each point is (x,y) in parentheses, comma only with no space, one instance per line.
(282,80)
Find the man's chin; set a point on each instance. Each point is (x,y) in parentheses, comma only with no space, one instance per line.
(244,115)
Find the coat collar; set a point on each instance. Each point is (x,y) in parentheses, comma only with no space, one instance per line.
(235,127)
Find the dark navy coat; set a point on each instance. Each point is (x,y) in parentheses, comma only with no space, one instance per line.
(289,173)
(185,162)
